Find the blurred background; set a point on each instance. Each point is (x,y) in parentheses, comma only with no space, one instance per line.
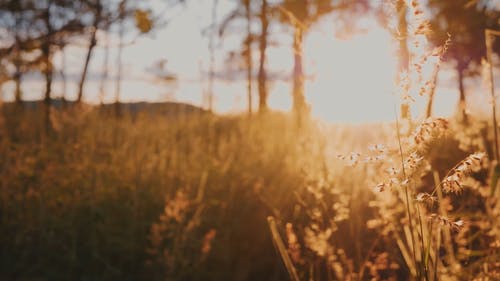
(204,52)
(249,140)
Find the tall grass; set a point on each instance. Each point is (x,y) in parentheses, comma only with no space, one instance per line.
(202,197)
(426,230)
(149,196)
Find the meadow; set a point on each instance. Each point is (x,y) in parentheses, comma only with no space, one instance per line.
(174,192)
(201,197)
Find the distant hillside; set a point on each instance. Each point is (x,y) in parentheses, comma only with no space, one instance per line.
(164,108)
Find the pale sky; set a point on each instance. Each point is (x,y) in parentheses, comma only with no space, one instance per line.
(350,80)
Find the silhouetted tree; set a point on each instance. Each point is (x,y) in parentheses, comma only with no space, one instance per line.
(93,8)
(62,73)
(37,29)
(262,75)
(121,33)
(134,15)
(56,21)
(105,69)
(465,21)
(16,20)
(211,50)
(248,52)
(103,14)
(243,11)
(404,56)
(301,15)
(401,11)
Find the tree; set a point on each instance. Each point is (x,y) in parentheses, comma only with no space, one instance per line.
(121,23)
(55,22)
(126,11)
(404,55)
(94,8)
(16,20)
(301,15)
(103,14)
(465,21)
(248,52)
(244,11)
(211,49)
(143,20)
(39,29)
(262,75)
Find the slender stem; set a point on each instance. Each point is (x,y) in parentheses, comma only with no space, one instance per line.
(428,248)
(422,246)
(280,247)
(487,34)
(406,191)
(370,251)
(442,211)
(438,245)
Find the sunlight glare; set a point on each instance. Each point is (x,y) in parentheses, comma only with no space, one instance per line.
(353,79)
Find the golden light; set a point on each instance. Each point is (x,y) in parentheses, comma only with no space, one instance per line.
(353,78)
(347,80)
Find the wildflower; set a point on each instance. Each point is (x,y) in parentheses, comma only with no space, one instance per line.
(392,171)
(352,159)
(453,182)
(445,221)
(425,198)
(378,148)
(423,28)
(413,162)
(317,240)
(380,187)
(430,128)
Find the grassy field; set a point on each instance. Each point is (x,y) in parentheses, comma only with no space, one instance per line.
(171,192)
(188,197)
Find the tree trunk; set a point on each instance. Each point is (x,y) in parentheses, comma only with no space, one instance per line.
(105,72)
(262,76)
(92,44)
(48,85)
(211,48)
(17,63)
(403,33)
(462,106)
(404,56)
(249,55)
(63,77)
(17,74)
(299,101)
(119,71)
(17,91)
(47,56)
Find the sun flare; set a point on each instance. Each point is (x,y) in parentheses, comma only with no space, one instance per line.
(351,76)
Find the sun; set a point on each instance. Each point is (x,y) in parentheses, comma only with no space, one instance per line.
(352,80)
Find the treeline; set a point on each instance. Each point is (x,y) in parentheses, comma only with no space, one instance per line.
(34,31)
(462,23)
